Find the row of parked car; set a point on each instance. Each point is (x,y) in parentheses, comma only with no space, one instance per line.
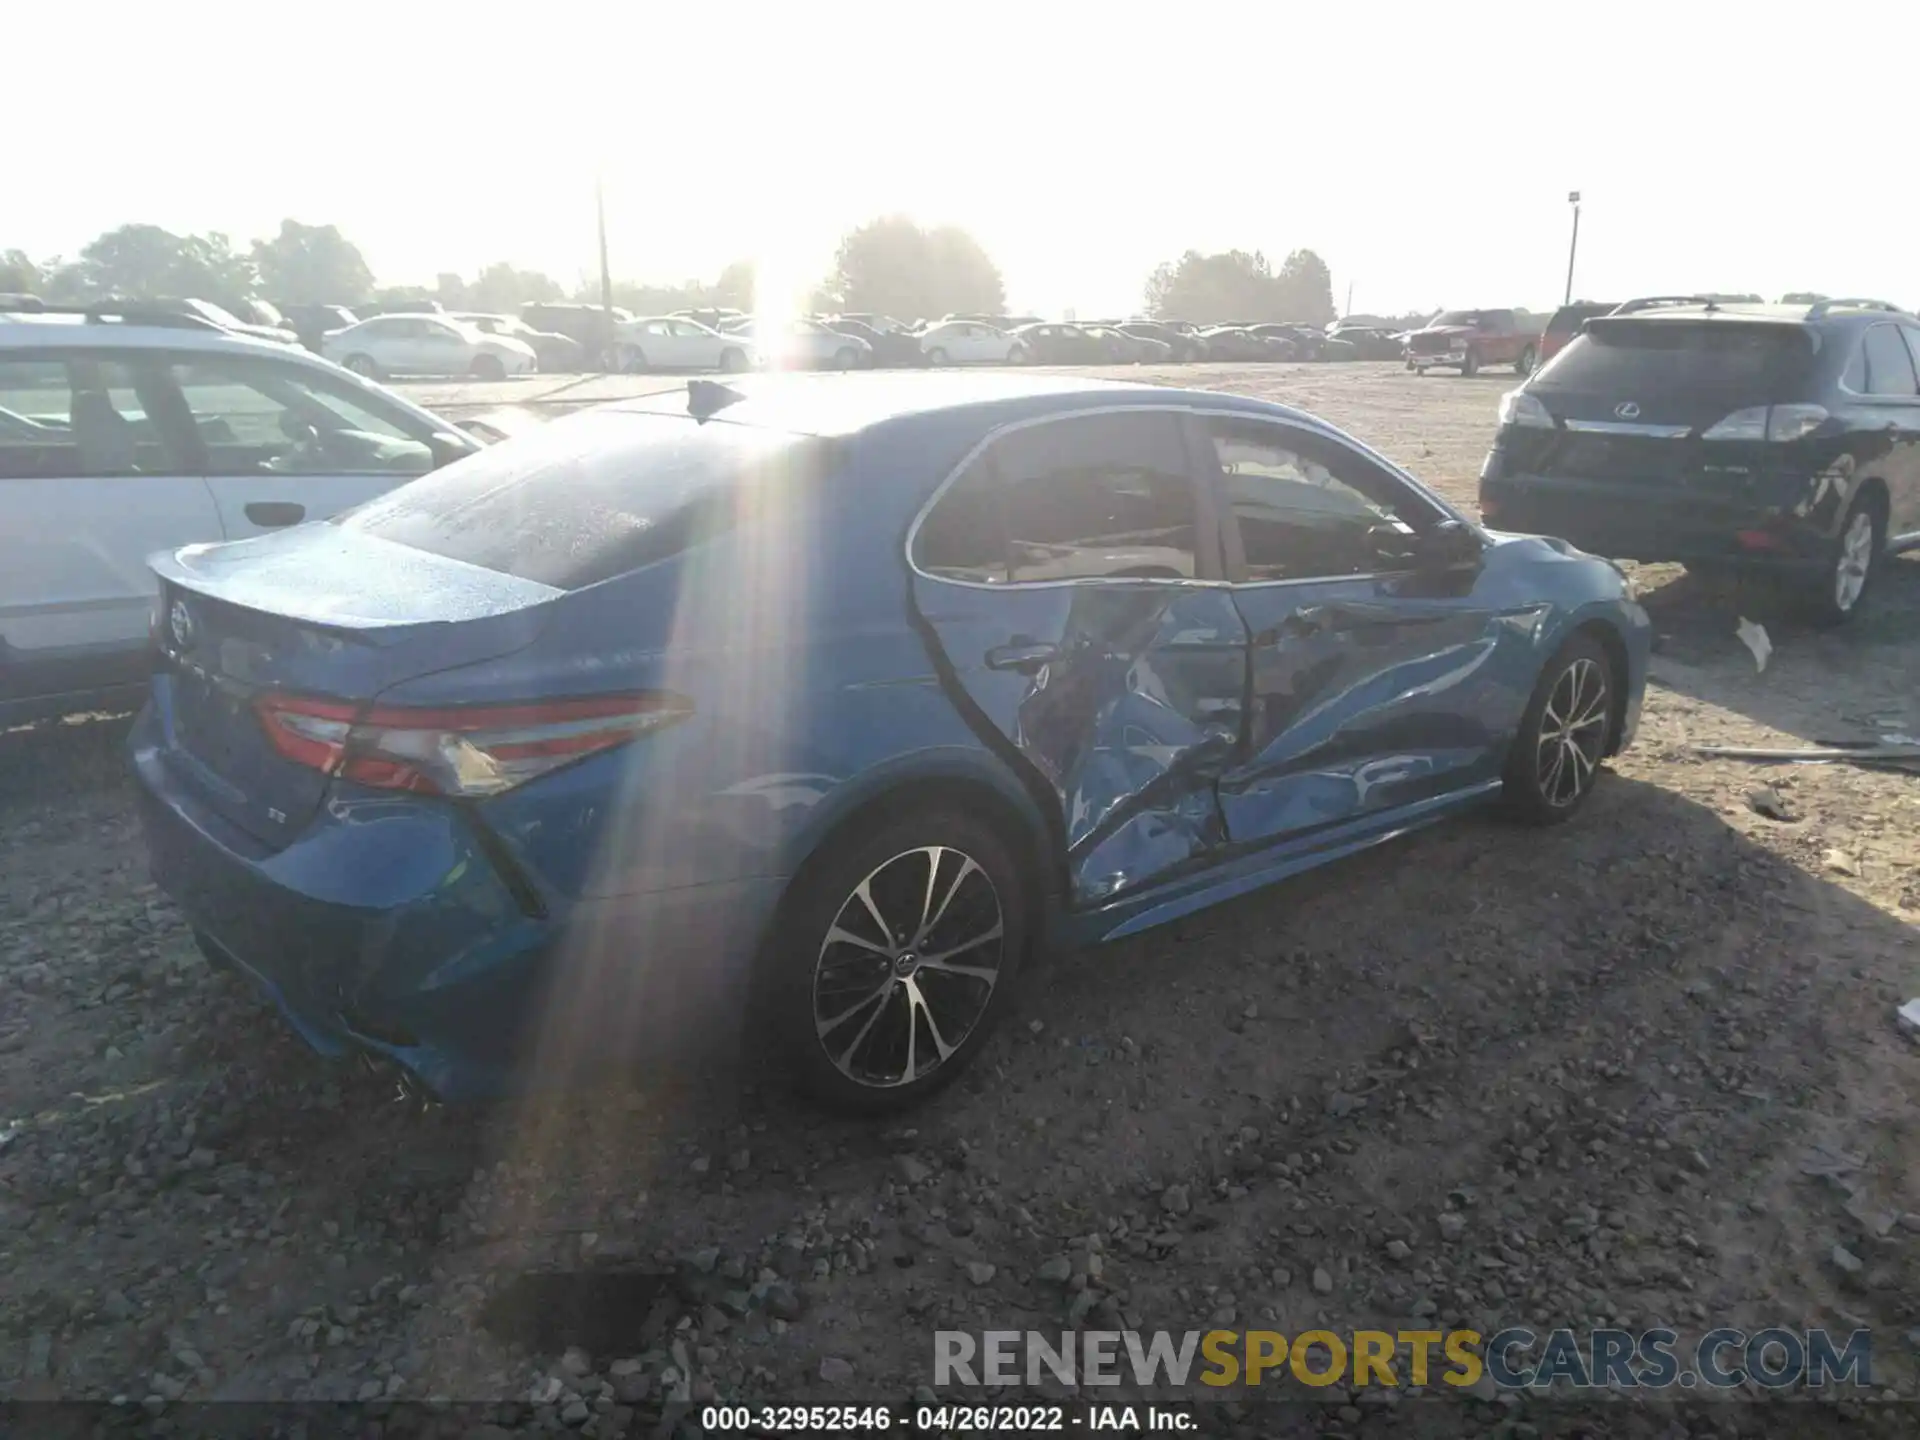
(422,338)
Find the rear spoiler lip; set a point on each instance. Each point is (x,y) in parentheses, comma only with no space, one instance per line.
(251,574)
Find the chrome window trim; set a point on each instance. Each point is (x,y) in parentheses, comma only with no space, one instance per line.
(1312,426)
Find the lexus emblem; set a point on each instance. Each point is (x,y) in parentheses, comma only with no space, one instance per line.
(1627,410)
(180,623)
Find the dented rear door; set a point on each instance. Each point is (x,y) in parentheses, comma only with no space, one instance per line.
(1067,581)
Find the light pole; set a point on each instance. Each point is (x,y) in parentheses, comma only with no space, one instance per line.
(1573,199)
(606,274)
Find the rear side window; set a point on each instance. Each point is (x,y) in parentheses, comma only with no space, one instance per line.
(1648,356)
(1889,366)
(594,496)
(81,416)
(1086,498)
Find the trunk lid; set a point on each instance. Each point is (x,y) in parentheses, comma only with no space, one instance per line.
(1633,397)
(322,611)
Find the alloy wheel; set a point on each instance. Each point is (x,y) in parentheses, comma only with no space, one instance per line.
(1573,733)
(908,966)
(1855,562)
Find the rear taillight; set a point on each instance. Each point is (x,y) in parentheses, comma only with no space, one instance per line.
(1779,423)
(1519,408)
(480,750)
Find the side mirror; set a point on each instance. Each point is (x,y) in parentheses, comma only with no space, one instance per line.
(1448,546)
(480,430)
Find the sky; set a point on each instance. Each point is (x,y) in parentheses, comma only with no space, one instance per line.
(1424,151)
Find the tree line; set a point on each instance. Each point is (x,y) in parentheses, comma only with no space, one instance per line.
(889,266)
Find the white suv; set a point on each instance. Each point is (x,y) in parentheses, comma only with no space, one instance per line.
(124,431)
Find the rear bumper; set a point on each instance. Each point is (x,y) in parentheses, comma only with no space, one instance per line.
(1443,359)
(1649,522)
(385,927)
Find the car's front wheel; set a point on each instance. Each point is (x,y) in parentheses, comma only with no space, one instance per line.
(1471,365)
(363,365)
(893,958)
(733,360)
(936,356)
(488,367)
(1565,733)
(1524,365)
(846,358)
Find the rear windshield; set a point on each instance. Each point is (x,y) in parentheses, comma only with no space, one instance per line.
(1650,355)
(593,496)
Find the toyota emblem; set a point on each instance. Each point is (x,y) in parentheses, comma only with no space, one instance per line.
(180,622)
(1627,411)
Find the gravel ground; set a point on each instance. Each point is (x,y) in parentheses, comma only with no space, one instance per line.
(1641,1070)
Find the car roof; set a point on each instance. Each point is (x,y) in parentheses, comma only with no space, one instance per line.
(27,330)
(839,405)
(1786,316)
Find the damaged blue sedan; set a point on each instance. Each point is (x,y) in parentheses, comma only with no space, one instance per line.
(805,707)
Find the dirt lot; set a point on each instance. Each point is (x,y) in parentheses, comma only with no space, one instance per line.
(1643,1070)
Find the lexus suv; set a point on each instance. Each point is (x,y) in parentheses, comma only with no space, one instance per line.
(1783,438)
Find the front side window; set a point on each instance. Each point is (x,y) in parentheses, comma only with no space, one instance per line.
(256,417)
(1889,366)
(1307,508)
(80,416)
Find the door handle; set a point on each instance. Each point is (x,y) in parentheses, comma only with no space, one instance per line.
(275,512)
(1026,656)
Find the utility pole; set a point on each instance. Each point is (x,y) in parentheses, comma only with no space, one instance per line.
(606,274)
(1349,310)
(1573,249)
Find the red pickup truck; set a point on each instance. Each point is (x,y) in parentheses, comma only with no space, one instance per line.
(1465,340)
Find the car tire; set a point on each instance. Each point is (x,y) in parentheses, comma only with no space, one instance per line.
(866,1055)
(632,359)
(846,358)
(1850,567)
(1470,366)
(1564,735)
(363,366)
(488,367)
(733,360)
(936,356)
(1524,365)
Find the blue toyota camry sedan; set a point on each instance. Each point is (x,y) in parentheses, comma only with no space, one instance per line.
(806,707)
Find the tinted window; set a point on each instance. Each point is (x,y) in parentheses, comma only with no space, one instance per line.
(1854,377)
(594,496)
(1307,508)
(79,416)
(256,417)
(1099,495)
(1889,366)
(962,537)
(1653,355)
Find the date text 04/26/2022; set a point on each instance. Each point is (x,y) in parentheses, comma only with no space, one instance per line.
(946,1419)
